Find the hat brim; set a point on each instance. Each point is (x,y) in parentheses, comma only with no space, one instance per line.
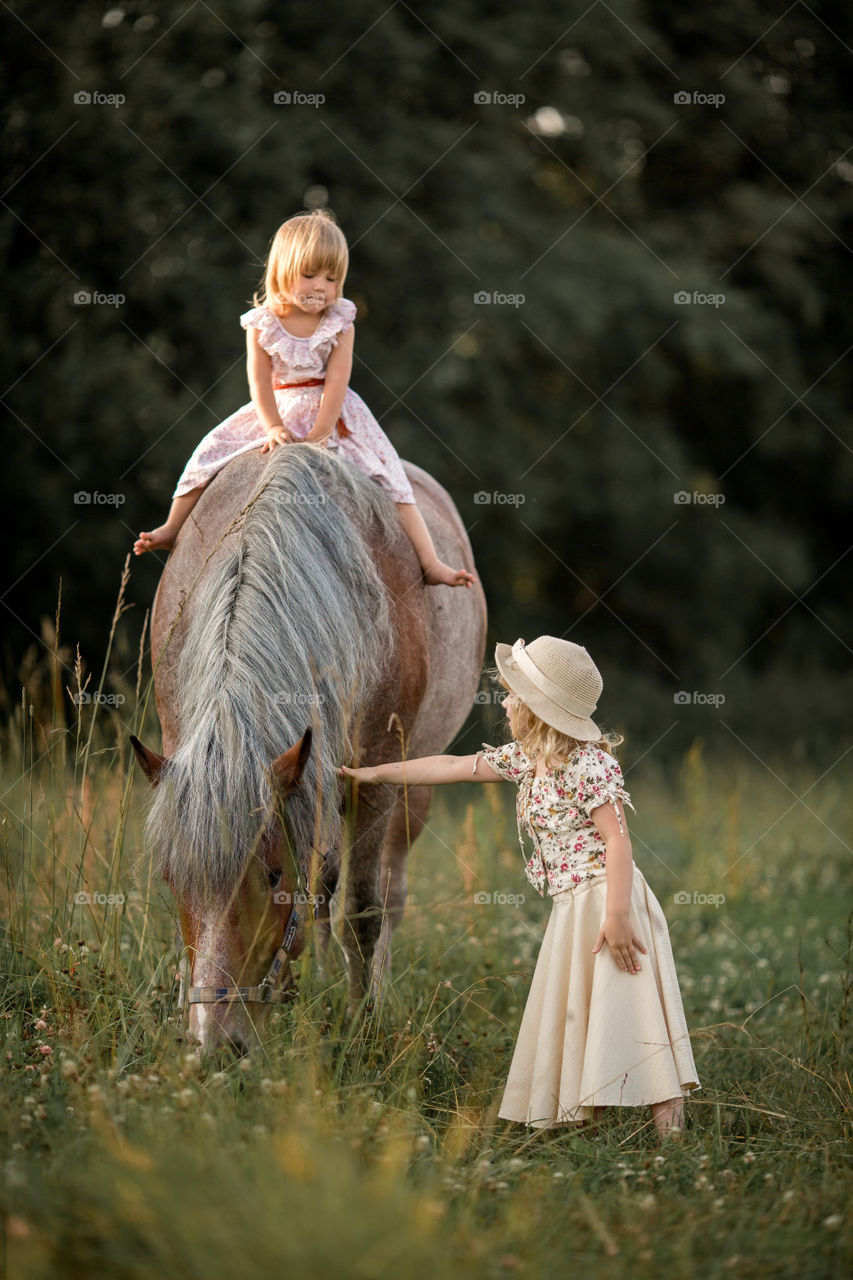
(581,728)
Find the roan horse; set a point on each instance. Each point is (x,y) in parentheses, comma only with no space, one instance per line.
(292,632)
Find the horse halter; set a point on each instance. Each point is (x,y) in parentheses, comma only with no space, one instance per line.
(269,991)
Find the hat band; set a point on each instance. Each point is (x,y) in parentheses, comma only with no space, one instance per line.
(558,695)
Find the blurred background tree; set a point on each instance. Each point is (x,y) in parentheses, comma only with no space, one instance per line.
(584,161)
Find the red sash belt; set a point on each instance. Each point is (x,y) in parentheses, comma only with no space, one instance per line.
(312,382)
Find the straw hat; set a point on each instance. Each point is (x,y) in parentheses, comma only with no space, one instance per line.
(557,680)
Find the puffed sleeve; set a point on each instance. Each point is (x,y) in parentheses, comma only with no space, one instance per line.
(262,319)
(509,760)
(336,319)
(600,782)
(346,312)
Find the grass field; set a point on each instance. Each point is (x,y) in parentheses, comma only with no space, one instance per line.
(377,1151)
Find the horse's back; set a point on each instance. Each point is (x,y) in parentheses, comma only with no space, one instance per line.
(456,623)
(212,530)
(452,620)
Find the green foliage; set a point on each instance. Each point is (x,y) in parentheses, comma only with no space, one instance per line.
(363,1149)
(595,401)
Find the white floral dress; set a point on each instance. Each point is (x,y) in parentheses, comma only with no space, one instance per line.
(555,811)
(361,441)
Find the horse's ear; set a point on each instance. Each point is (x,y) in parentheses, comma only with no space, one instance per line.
(152,764)
(288,768)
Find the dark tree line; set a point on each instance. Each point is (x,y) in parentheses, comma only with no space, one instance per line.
(579,413)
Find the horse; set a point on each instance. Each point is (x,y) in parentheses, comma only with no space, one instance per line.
(291,633)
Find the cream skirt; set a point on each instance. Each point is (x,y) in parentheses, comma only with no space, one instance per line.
(591,1034)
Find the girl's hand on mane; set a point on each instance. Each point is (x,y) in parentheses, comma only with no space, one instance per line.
(276,435)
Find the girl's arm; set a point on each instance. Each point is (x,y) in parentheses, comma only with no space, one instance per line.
(338,370)
(259,371)
(616,929)
(427,771)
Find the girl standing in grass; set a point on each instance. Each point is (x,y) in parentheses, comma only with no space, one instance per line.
(600,1028)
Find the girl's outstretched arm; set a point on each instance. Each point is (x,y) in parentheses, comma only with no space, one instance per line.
(428,771)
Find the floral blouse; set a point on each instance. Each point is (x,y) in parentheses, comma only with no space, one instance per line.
(555,811)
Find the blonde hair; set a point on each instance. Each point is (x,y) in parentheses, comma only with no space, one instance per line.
(541,741)
(304,245)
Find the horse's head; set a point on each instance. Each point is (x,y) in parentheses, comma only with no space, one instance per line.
(239,944)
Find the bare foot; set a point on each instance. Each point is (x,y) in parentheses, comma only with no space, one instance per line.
(162,539)
(440,574)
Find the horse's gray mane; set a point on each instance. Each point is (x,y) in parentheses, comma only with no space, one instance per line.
(290,628)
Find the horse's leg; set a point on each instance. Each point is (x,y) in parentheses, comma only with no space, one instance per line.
(363,911)
(402,832)
(326,886)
